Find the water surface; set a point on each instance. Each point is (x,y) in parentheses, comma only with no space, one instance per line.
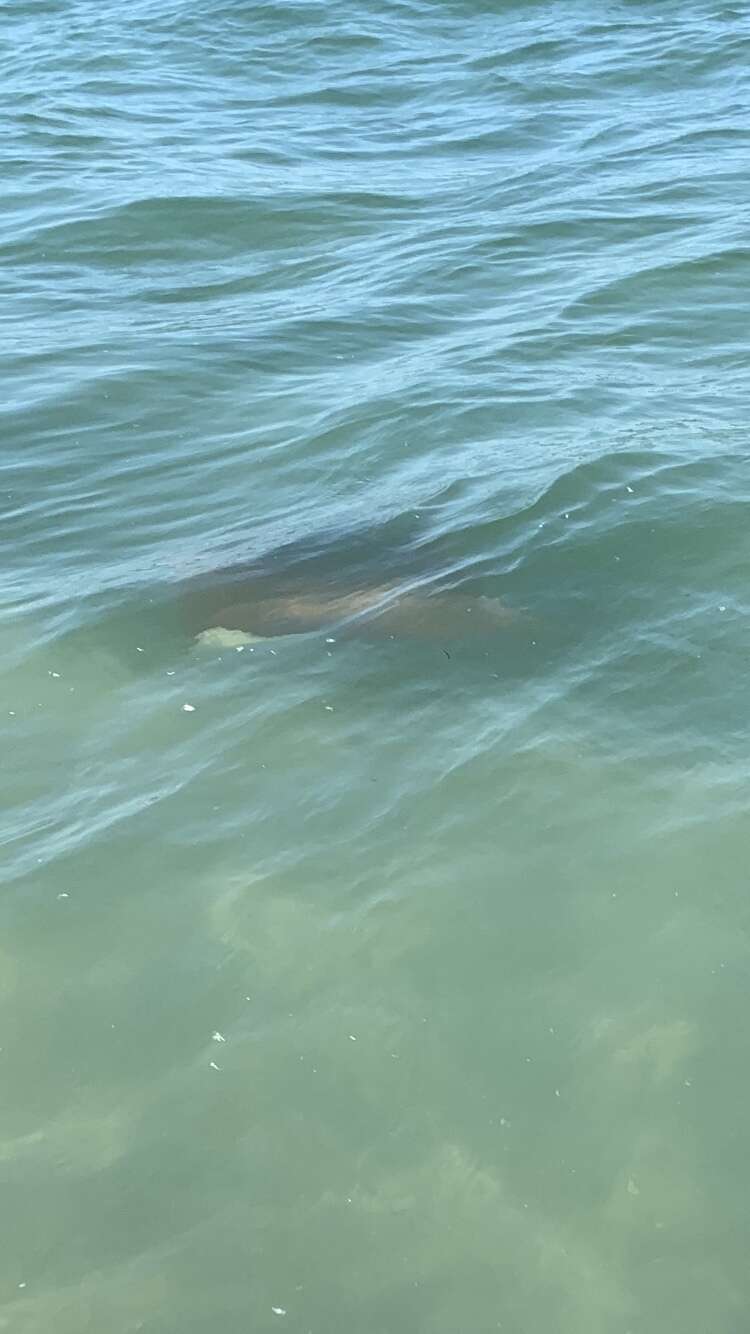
(397,984)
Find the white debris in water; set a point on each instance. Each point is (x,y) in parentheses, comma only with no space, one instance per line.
(63,895)
(630,489)
(328,708)
(278,1310)
(214,1066)
(330,641)
(721,608)
(138,649)
(55,674)
(352,1038)
(218,1037)
(188,708)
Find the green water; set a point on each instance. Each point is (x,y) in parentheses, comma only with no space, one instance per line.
(399,984)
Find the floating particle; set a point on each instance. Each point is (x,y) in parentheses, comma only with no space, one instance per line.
(328,708)
(214,1066)
(63,895)
(721,608)
(137,649)
(56,675)
(188,708)
(633,1188)
(330,641)
(218,1037)
(352,1038)
(278,1310)
(630,489)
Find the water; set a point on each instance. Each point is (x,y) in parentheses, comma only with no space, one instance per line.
(400,984)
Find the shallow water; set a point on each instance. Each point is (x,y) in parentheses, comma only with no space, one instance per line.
(397,984)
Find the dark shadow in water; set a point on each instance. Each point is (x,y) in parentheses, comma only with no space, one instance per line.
(576,573)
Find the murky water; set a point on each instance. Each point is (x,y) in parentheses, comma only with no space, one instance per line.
(387,975)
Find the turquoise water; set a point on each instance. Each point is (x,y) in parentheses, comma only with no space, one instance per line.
(399,984)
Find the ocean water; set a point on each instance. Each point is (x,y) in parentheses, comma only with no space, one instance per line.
(387,977)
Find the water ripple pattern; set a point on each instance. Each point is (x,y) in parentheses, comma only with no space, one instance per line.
(388,978)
